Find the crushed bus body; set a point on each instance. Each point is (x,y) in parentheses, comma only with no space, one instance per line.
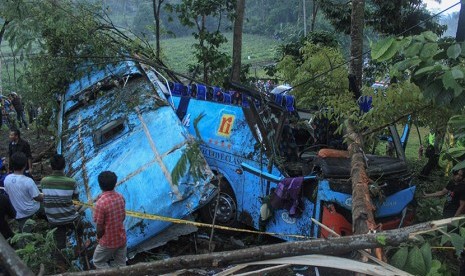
(116,119)
(245,139)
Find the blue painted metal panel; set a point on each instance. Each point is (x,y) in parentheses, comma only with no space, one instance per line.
(142,152)
(225,153)
(394,204)
(123,69)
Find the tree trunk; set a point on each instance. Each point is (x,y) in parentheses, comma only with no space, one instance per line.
(356,45)
(2,31)
(10,261)
(314,14)
(201,42)
(304,9)
(156,14)
(460,35)
(14,67)
(237,41)
(331,246)
(362,209)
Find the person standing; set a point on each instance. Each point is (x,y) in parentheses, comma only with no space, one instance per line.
(6,210)
(455,191)
(22,191)
(19,108)
(59,191)
(17,144)
(109,215)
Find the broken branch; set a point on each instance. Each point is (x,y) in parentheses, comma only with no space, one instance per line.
(332,246)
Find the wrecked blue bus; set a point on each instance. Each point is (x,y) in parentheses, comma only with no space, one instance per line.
(245,136)
(116,119)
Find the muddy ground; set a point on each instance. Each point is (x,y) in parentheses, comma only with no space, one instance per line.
(42,145)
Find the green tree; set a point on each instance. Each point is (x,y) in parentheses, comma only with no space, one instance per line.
(63,40)
(310,61)
(386,17)
(437,67)
(194,14)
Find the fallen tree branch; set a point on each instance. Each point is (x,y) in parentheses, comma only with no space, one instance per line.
(332,246)
(363,219)
(10,261)
(365,253)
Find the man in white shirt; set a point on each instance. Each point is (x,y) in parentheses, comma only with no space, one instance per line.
(22,191)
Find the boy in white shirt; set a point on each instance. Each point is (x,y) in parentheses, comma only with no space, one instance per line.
(22,191)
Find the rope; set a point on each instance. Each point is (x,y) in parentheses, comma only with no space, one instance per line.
(198,224)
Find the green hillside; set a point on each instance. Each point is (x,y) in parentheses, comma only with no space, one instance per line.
(178,51)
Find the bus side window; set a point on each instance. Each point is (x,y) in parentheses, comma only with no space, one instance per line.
(108,131)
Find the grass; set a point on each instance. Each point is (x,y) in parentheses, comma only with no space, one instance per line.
(178,52)
(256,50)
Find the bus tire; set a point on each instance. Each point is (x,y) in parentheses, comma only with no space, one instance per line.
(226,212)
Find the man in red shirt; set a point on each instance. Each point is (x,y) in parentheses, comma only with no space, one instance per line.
(109,215)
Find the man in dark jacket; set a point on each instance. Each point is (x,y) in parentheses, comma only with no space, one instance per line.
(19,145)
(19,108)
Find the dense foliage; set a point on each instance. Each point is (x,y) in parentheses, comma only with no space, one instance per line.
(385,17)
(303,71)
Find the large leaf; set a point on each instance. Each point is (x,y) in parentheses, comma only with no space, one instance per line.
(456,152)
(457,122)
(457,73)
(413,50)
(448,80)
(458,103)
(428,50)
(458,242)
(428,70)
(433,89)
(434,270)
(454,51)
(400,258)
(430,36)
(415,263)
(445,97)
(460,165)
(390,52)
(380,48)
(427,256)
(407,63)
(444,239)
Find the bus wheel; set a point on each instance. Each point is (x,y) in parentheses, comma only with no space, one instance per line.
(226,211)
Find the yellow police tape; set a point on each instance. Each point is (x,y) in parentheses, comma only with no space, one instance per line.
(198,224)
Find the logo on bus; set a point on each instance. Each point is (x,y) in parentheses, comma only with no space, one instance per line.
(226,124)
